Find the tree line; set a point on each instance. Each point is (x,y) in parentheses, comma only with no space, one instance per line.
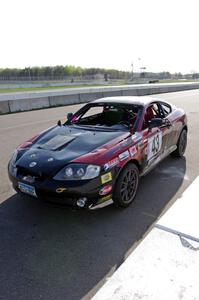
(59,73)
(72,72)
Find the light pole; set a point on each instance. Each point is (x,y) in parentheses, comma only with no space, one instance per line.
(29,73)
(132,71)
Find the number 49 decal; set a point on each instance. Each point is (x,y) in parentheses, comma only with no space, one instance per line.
(154,145)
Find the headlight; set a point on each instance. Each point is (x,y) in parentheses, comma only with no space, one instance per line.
(11,167)
(14,158)
(78,172)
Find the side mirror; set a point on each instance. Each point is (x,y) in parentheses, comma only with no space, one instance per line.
(156,122)
(69,116)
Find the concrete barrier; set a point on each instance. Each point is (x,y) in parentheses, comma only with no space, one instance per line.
(24,101)
(129,92)
(4,107)
(112,93)
(63,100)
(87,97)
(28,104)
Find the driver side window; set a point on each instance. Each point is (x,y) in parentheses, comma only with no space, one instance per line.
(151,112)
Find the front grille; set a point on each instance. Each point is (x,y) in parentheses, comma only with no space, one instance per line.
(25,172)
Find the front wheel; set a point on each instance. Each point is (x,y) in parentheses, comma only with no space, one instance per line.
(181,144)
(126,186)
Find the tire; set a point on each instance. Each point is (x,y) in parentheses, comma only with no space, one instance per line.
(181,144)
(126,186)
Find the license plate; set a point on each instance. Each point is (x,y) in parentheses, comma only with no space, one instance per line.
(27,189)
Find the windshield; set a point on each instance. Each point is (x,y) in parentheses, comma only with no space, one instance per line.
(106,116)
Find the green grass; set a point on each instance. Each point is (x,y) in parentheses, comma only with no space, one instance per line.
(46,88)
(10,90)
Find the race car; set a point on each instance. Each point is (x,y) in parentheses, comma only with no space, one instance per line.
(99,154)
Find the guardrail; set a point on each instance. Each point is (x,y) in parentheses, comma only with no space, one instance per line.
(24,101)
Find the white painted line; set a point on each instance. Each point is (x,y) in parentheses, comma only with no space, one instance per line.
(183,216)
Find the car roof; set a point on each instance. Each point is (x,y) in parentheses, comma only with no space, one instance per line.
(137,100)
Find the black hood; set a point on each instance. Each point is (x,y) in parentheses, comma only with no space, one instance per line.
(61,145)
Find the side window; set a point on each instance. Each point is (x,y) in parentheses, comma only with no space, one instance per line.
(155,110)
(166,109)
(152,112)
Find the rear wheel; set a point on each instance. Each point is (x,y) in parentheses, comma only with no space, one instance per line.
(126,186)
(181,144)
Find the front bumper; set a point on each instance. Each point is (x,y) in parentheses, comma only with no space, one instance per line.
(64,192)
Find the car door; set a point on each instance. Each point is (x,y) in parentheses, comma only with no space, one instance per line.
(154,139)
(169,127)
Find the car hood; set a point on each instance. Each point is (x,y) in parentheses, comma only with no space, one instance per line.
(61,145)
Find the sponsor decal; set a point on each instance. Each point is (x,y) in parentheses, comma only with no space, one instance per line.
(133,150)
(111,164)
(105,190)
(124,155)
(32,164)
(104,199)
(154,145)
(127,142)
(106,178)
(60,190)
(137,137)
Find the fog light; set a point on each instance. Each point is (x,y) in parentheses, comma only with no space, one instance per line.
(81,202)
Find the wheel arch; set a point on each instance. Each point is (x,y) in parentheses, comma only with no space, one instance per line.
(131,161)
(116,196)
(184,127)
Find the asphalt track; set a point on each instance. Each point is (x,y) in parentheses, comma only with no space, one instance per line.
(47,252)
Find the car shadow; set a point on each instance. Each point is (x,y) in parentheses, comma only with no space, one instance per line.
(50,252)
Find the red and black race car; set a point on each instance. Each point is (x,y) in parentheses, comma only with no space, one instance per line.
(100,152)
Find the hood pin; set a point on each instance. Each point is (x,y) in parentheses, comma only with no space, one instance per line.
(32,164)
(50,159)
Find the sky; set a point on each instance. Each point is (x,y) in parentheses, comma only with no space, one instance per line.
(155,34)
